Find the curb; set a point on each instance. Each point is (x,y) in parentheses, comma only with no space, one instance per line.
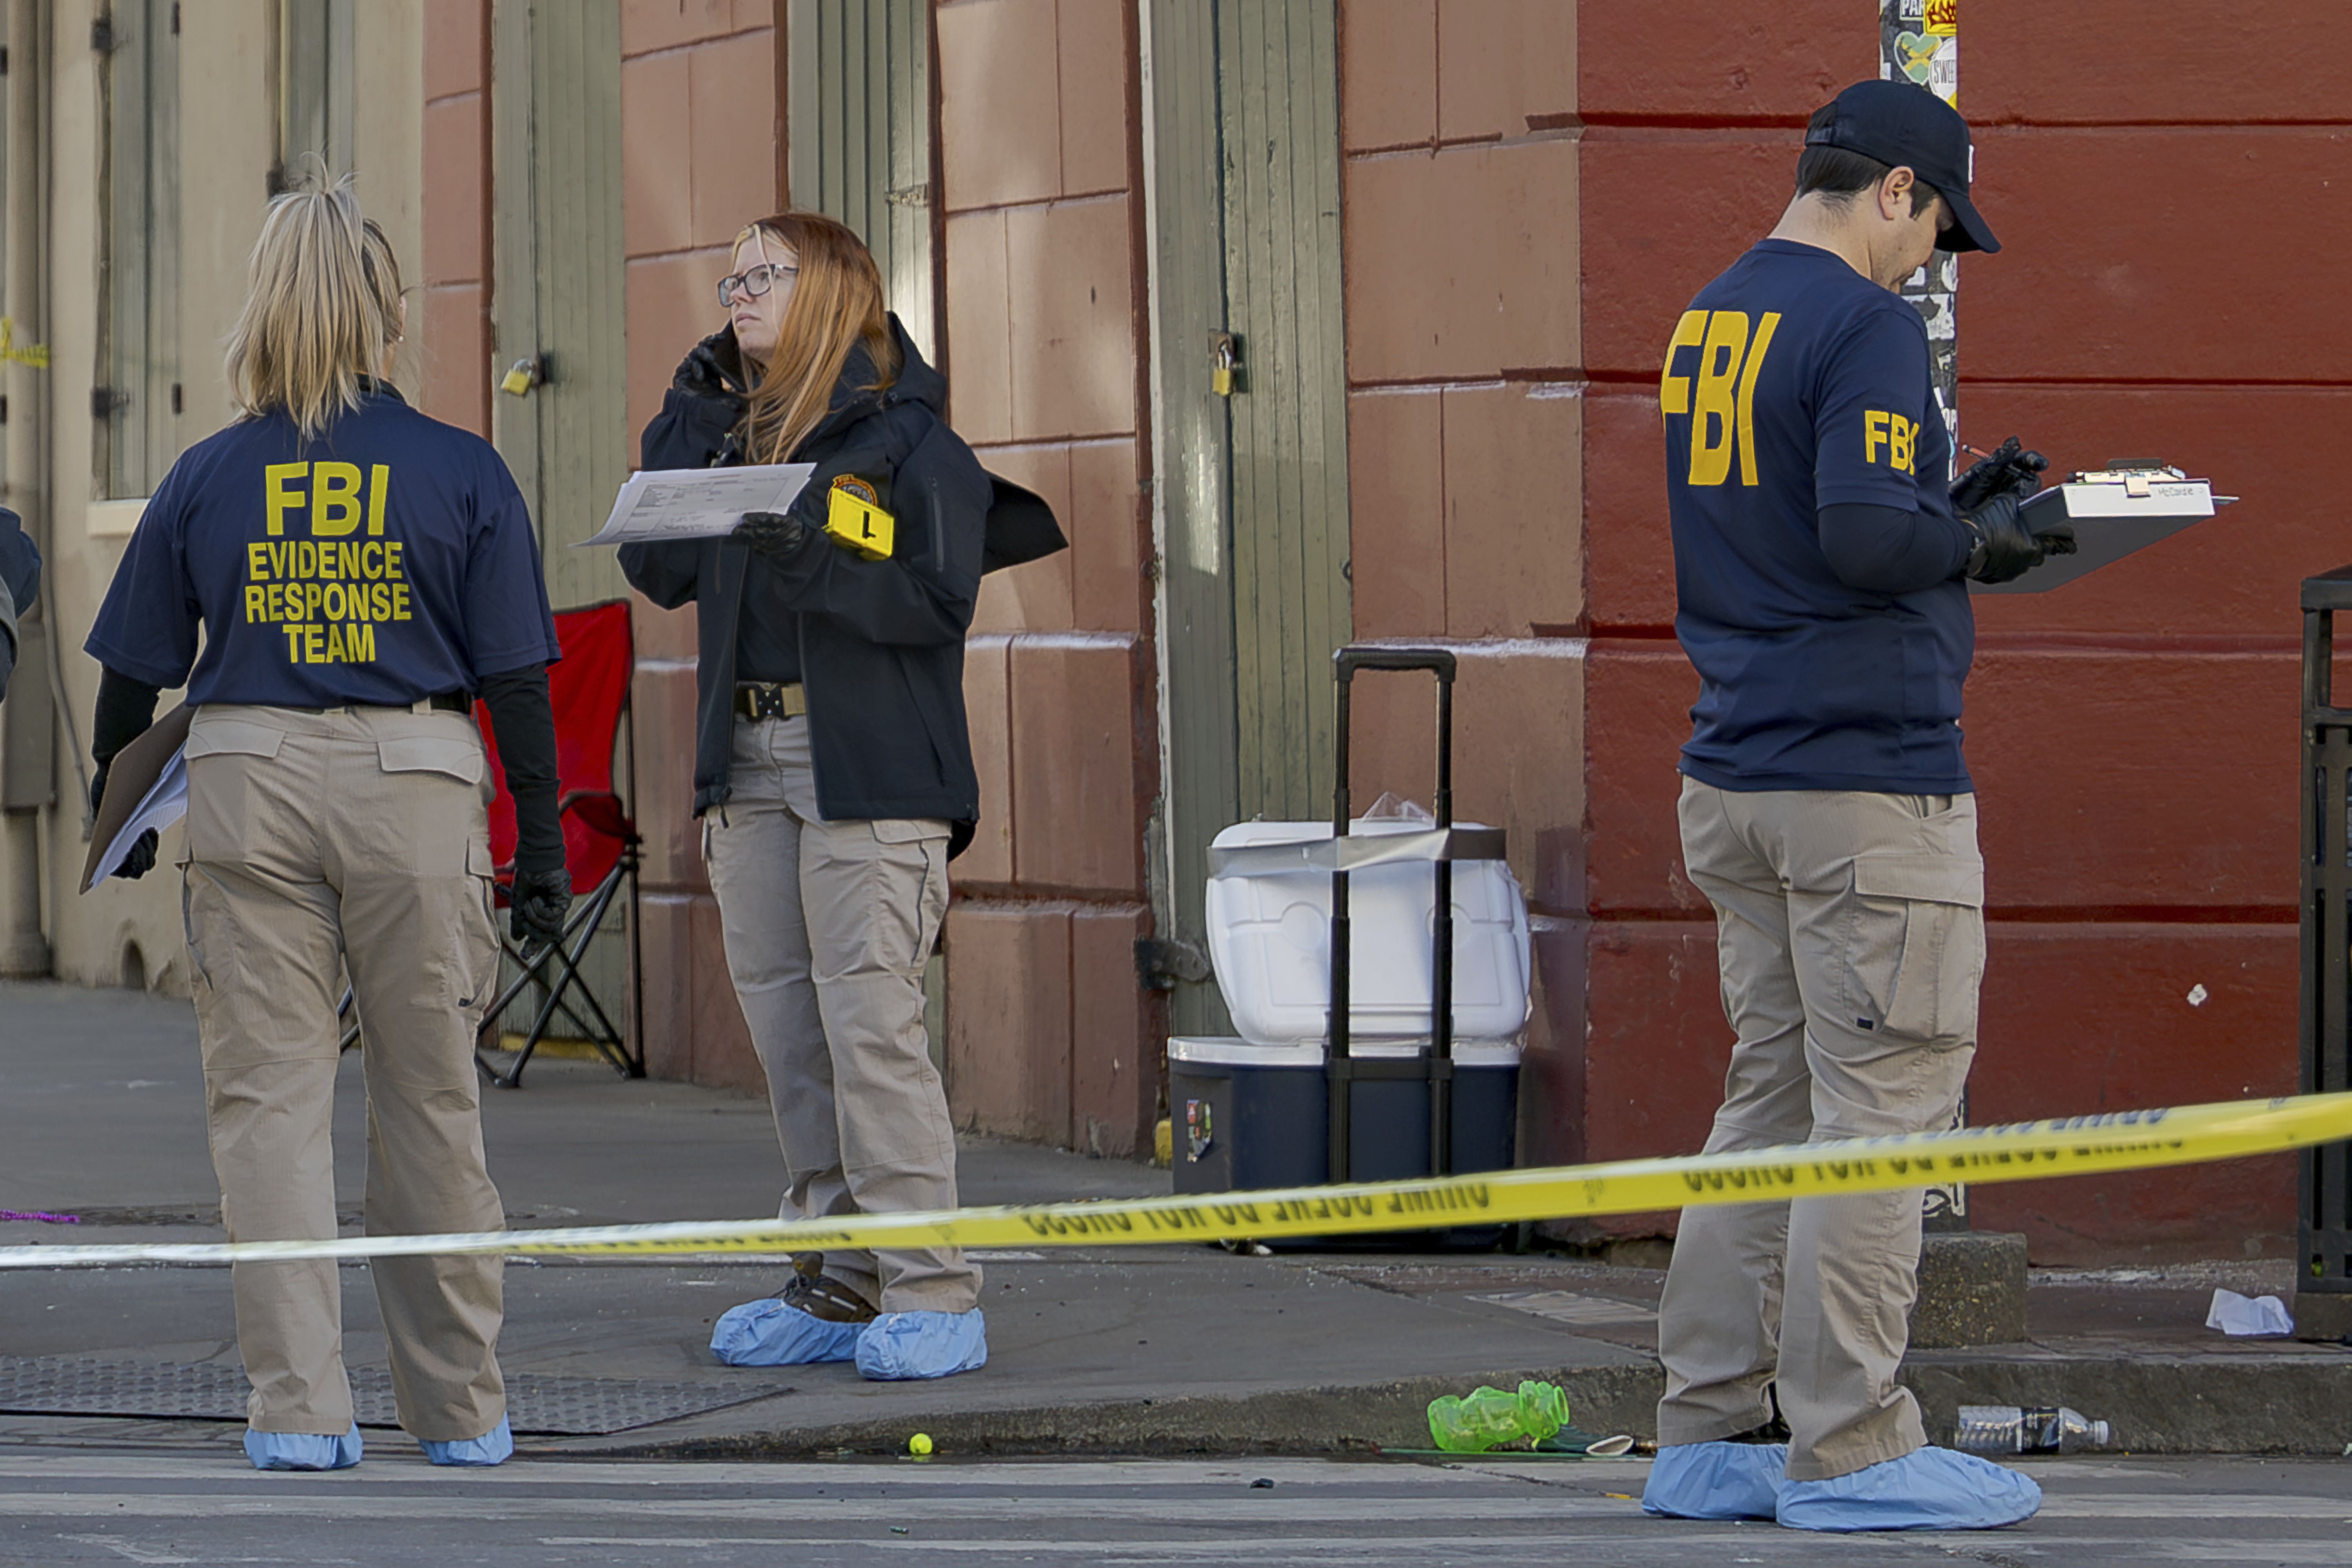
(1337,1419)
(2241,1404)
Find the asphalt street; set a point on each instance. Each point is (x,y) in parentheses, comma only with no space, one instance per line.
(97,1507)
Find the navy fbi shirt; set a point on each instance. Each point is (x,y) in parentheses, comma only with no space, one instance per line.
(389,561)
(1792,384)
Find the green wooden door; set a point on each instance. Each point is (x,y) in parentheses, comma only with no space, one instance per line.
(559,302)
(1244,164)
(858,124)
(559,298)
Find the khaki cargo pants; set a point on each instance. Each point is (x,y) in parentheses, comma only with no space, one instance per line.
(828,927)
(354,837)
(1850,934)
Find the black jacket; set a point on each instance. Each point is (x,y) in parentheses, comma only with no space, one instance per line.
(881,642)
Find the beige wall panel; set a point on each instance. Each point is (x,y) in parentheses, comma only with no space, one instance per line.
(388,132)
(1069,268)
(1463,263)
(1514,509)
(1396,496)
(999,111)
(1502,63)
(1034,597)
(1091,56)
(1388,73)
(226,89)
(980,330)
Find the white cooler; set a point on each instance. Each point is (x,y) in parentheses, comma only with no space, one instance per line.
(1270,942)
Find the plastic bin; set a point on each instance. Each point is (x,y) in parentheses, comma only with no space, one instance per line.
(1250,1116)
(1270,943)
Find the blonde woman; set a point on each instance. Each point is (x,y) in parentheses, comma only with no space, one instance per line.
(357,571)
(833,772)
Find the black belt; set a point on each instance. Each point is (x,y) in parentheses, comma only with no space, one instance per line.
(440,702)
(770,699)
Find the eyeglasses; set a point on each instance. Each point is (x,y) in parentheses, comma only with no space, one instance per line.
(752,282)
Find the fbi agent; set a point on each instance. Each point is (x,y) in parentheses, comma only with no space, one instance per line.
(356,570)
(833,769)
(1828,816)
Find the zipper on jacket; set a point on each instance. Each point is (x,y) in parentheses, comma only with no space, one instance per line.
(939,530)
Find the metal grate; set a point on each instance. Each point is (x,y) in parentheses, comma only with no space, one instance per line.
(216,1391)
(2326,1218)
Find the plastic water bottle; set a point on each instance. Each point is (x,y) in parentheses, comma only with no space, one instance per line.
(1490,1418)
(2030,1429)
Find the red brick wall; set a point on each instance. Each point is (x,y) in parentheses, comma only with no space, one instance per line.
(701,157)
(1049,1036)
(2134,735)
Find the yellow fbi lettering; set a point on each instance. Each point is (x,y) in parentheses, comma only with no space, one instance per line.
(1721,398)
(1899,436)
(332,497)
(330,592)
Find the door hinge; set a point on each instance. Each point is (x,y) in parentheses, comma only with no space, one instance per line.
(101,35)
(1160,962)
(105,400)
(910,196)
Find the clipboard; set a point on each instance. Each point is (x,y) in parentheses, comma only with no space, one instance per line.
(2114,511)
(130,779)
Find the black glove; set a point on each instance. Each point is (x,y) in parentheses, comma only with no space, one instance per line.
(714,367)
(141,859)
(2008,469)
(2005,549)
(778,535)
(541,899)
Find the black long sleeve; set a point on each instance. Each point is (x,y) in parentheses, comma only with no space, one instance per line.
(126,707)
(524,722)
(1886,550)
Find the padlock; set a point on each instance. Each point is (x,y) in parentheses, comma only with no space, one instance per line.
(1224,363)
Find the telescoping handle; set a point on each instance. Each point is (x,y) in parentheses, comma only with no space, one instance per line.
(1439,1067)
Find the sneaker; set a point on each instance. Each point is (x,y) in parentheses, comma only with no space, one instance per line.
(1730,1479)
(1927,1488)
(302,1450)
(494,1446)
(814,1317)
(899,1347)
(820,1295)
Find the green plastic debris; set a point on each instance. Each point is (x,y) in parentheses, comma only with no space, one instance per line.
(1489,1417)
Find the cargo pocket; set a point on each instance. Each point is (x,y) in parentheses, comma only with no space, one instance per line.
(916,857)
(1915,946)
(482,938)
(459,758)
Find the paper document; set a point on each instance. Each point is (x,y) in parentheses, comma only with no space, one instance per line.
(2114,513)
(163,804)
(698,503)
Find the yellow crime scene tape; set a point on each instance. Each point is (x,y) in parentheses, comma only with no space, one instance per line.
(2017,1151)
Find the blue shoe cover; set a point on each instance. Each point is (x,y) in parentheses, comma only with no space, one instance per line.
(768,1333)
(1927,1488)
(1716,1480)
(898,1347)
(495,1447)
(302,1450)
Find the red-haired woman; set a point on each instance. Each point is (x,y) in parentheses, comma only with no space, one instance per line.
(832,770)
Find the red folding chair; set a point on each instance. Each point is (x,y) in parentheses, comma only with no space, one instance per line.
(588,686)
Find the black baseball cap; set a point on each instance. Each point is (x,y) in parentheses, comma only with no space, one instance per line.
(1903,125)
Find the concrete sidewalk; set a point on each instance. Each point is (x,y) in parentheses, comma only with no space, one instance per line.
(1141,1350)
